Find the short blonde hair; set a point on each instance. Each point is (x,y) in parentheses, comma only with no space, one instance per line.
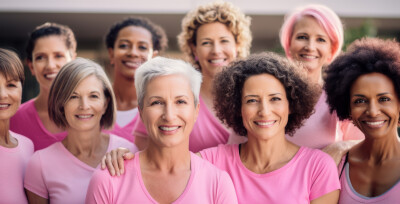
(219,11)
(66,82)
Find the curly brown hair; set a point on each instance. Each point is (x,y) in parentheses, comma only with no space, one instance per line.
(368,55)
(301,95)
(223,12)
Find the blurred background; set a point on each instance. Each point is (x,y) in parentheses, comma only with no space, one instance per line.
(91,19)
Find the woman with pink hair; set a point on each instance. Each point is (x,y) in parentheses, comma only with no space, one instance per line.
(313,36)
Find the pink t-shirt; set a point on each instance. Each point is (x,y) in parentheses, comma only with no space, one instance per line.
(126,131)
(27,122)
(309,175)
(324,128)
(206,184)
(55,174)
(207,131)
(13,163)
(350,195)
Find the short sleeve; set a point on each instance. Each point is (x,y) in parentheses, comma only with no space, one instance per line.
(324,177)
(139,129)
(210,154)
(226,190)
(34,180)
(100,189)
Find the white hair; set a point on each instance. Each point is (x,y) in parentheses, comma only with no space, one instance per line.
(161,66)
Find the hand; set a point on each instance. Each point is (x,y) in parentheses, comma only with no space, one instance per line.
(114,160)
(338,149)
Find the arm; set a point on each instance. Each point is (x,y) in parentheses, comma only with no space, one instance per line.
(35,199)
(332,197)
(338,149)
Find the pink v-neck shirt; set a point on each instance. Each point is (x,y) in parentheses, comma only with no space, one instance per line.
(13,163)
(324,128)
(310,174)
(206,184)
(57,175)
(207,131)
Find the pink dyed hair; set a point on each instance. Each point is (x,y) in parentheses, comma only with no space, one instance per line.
(327,18)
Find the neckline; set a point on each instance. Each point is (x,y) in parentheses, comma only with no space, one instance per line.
(147,193)
(40,123)
(272,173)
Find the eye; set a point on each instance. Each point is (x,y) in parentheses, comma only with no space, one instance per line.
(252,100)
(59,56)
(302,37)
(276,99)
(123,46)
(12,85)
(142,47)
(94,96)
(225,41)
(205,43)
(384,99)
(73,97)
(181,101)
(39,57)
(321,40)
(155,103)
(359,100)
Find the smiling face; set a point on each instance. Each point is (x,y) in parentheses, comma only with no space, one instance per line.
(48,56)
(310,44)
(215,48)
(168,110)
(132,48)
(10,97)
(374,105)
(86,105)
(265,108)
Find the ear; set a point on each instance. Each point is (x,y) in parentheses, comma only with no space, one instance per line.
(111,55)
(155,53)
(29,62)
(197,109)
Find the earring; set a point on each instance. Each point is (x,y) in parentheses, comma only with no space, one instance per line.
(196,58)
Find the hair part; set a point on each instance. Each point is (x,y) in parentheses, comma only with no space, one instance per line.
(11,66)
(69,77)
(158,37)
(51,29)
(161,66)
(229,84)
(219,11)
(325,17)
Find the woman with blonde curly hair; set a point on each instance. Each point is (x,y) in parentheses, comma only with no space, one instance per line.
(213,35)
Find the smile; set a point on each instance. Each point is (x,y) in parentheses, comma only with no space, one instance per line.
(165,128)
(3,106)
(375,124)
(50,76)
(84,116)
(217,62)
(132,65)
(268,123)
(308,56)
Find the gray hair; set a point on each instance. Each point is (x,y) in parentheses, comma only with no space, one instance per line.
(161,66)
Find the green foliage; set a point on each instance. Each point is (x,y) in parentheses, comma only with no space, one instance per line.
(367,29)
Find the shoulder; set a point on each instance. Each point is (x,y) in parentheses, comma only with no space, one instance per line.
(116,141)
(23,140)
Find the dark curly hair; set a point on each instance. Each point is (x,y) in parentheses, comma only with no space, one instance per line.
(158,36)
(50,29)
(368,55)
(228,84)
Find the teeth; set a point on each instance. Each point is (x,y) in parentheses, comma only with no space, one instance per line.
(308,57)
(84,116)
(4,106)
(217,61)
(265,123)
(51,76)
(168,128)
(133,64)
(375,123)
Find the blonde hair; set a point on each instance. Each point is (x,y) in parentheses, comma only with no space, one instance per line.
(66,82)
(219,11)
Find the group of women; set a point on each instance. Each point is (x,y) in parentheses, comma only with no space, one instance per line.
(258,122)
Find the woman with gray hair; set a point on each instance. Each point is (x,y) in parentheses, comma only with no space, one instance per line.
(168,101)
(82,102)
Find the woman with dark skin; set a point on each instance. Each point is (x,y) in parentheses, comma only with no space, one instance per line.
(363,85)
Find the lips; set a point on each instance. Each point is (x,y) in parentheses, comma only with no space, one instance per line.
(218,62)
(50,76)
(168,128)
(265,123)
(132,65)
(4,106)
(374,124)
(308,57)
(85,116)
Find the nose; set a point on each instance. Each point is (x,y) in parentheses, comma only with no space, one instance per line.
(373,109)
(133,51)
(51,63)
(217,48)
(169,112)
(83,103)
(3,93)
(264,109)
(310,45)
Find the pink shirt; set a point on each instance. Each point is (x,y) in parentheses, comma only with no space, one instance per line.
(206,184)
(126,131)
(13,163)
(349,195)
(55,174)
(323,128)
(309,175)
(27,122)
(207,131)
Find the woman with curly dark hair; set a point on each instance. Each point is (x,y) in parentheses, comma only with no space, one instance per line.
(363,86)
(130,43)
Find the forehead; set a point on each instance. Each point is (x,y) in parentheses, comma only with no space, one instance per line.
(135,32)
(50,43)
(373,81)
(215,29)
(89,83)
(263,83)
(172,85)
(308,24)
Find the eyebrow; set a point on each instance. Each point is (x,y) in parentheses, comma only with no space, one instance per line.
(273,94)
(125,40)
(380,94)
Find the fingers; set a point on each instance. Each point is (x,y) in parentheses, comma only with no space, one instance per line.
(108,163)
(114,161)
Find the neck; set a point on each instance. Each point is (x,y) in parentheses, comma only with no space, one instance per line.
(41,101)
(5,138)
(315,77)
(380,150)
(167,159)
(125,93)
(83,142)
(262,156)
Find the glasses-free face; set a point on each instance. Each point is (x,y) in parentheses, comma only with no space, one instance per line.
(86,105)
(168,110)
(10,96)
(265,108)
(375,105)
(215,48)
(48,56)
(310,44)
(132,48)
